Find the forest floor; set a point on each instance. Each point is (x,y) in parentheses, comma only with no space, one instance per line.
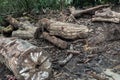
(86,65)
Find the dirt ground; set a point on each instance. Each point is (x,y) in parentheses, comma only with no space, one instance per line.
(88,65)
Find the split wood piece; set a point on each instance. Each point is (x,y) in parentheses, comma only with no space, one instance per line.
(99,19)
(64,30)
(25,29)
(25,60)
(77,13)
(54,40)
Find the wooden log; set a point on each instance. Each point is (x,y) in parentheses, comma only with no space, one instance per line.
(54,40)
(25,29)
(64,30)
(101,19)
(16,24)
(77,13)
(25,60)
(107,13)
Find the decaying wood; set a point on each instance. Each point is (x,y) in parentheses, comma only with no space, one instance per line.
(25,29)
(54,40)
(64,30)
(106,15)
(77,13)
(25,60)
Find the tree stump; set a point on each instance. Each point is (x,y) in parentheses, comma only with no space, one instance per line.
(25,60)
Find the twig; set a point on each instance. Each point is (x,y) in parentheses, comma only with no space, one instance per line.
(73,52)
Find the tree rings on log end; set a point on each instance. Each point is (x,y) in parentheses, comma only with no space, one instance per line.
(25,60)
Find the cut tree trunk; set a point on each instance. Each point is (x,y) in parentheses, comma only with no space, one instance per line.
(64,30)
(25,29)
(25,60)
(54,40)
(106,15)
(77,13)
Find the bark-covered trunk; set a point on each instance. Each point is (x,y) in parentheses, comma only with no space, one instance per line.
(54,40)
(64,30)
(25,60)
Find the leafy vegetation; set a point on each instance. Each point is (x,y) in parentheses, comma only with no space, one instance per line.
(16,6)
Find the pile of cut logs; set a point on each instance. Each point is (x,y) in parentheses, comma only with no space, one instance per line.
(49,30)
(29,62)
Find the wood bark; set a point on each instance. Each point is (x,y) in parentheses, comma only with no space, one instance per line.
(106,15)
(77,13)
(25,29)
(64,30)
(54,40)
(25,60)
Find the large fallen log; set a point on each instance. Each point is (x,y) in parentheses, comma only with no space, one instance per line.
(25,60)
(25,29)
(106,15)
(64,30)
(54,40)
(77,13)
